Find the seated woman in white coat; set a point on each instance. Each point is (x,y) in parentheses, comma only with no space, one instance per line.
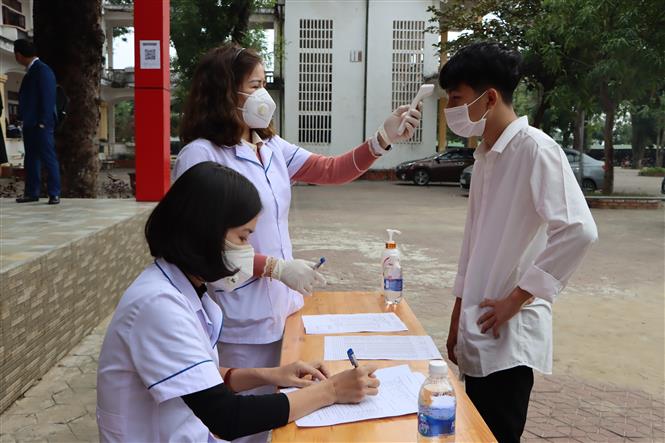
(159,378)
(228,119)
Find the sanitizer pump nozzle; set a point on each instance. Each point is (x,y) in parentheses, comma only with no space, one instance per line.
(391,244)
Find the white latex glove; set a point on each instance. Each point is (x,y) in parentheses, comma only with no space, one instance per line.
(390,129)
(298,275)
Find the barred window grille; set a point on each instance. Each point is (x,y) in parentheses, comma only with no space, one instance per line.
(315,82)
(407,69)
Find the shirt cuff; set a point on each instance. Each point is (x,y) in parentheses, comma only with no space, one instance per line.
(458,289)
(377,150)
(540,284)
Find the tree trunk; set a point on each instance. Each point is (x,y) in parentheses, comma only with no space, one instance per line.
(578,131)
(609,107)
(659,147)
(638,138)
(578,142)
(69,38)
(543,105)
(241,9)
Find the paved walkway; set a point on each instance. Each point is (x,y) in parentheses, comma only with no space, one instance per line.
(608,325)
(61,407)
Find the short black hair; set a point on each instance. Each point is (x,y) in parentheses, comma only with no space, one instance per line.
(24,47)
(189,225)
(484,65)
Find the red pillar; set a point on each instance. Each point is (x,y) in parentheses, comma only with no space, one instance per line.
(152,98)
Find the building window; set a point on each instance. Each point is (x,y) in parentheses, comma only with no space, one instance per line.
(407,69)
(14,4)
(12,14)
(315,82)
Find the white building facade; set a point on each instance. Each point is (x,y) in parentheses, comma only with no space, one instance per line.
(348,64)
(15,23)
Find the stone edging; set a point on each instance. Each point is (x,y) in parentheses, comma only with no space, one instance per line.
(624,202)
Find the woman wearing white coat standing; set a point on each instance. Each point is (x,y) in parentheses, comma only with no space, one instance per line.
(227,119)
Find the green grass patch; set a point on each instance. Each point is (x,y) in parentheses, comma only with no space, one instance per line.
(652,172)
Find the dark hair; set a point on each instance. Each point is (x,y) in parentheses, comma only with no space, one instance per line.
(211,108)
(24,47)
(481,66)
(188,226)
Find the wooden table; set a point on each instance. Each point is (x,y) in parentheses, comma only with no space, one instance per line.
(470,426)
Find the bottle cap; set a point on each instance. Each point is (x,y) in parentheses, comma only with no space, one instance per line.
(438,368)
(391,244)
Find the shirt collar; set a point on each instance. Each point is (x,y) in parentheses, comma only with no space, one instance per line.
(203,305)
(180,281)
(31,63)
(256,142)
(506,136)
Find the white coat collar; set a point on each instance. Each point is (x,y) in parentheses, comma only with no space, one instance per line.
(245,152)
(205,307)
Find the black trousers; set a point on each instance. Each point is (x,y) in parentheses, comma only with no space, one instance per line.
(502,398)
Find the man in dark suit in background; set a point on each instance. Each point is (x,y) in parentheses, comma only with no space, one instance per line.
(3,149)
(37,111)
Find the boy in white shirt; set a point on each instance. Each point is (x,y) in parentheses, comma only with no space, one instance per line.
(528,227)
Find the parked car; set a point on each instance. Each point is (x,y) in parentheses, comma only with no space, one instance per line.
(465,178)
(441,167)
(594,171)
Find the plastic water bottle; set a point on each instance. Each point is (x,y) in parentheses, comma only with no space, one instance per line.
(392,271)
(436,405)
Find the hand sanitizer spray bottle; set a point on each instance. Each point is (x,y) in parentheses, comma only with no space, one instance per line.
(392,271)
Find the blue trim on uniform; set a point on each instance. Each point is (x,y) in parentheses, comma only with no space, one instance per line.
(292,157)
(269,163)
(220,333)
(167,277)
(179,372)
(254,279)
(248,160)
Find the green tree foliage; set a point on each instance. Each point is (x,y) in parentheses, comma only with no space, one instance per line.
(124,121)
(199,25)
(582,57)
(604,53)
(502,21)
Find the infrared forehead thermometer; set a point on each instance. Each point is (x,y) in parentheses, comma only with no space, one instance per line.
(424,91)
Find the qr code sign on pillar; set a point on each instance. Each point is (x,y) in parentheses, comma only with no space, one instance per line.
(150,54)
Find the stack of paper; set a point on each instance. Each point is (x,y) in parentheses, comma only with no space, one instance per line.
(381,347)
(344,323)
(398,395)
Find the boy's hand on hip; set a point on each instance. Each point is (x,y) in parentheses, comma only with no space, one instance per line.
(500,311)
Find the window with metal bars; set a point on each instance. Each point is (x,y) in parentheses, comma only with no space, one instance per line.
(407,68)
(315,81)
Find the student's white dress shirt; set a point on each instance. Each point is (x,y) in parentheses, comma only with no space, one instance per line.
(528,225)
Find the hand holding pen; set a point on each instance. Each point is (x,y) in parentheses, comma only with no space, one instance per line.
(352,385)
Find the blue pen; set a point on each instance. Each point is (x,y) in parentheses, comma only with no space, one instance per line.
(352,358)
(322,260)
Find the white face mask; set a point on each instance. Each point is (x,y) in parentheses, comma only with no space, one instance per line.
(259,108)
(239,257)
(460,123)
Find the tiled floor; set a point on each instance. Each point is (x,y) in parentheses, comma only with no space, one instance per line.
(28,230)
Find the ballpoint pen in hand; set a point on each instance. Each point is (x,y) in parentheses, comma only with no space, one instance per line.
(352,358)
(322,260)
